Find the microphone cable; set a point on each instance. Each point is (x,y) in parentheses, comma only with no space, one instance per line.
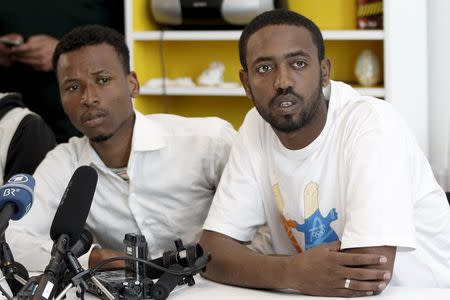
(185,271)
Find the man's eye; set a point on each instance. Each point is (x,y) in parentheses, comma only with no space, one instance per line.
(263,69)
(73,87)
(299,64)
(104,80)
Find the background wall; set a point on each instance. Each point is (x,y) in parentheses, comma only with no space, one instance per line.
(439,88)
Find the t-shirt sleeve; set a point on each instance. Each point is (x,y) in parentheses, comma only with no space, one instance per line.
(29,145)
(237,209)
(379,202)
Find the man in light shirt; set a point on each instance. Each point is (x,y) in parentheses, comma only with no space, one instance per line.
(349,198)
(157,173)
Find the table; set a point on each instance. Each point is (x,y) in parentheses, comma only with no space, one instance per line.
(207,290)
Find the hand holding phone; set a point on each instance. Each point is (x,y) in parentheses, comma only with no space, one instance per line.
(10,43)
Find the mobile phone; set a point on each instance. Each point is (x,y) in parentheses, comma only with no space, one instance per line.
(10,43)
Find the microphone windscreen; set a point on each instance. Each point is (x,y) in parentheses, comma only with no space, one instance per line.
(19,191)
(75,204)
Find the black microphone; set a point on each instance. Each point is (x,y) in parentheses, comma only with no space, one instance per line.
(67,226)
(83,245)
(16,198)
(75,204)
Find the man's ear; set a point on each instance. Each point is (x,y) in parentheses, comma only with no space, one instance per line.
(133,84)
(325,67)
(243,76)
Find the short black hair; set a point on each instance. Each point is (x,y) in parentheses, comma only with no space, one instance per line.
(279,17)
(90,35)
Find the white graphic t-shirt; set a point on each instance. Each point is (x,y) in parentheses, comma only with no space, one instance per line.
(363,181)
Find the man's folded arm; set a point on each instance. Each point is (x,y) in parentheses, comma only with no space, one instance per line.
(321,271)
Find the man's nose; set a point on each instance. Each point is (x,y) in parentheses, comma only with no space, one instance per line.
(283,79)
(90,96)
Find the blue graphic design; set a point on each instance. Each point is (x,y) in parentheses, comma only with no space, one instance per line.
(317,229)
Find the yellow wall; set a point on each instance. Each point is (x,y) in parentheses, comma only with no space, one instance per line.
(189,58)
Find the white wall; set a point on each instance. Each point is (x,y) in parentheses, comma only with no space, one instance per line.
(405,54)
(439,88)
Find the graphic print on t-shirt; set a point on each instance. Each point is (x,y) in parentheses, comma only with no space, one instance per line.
(287,225)
(317,229)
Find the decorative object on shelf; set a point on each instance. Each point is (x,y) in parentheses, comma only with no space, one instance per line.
(177,82)
(213,76)
(210,13)
(370,14)
(367,68)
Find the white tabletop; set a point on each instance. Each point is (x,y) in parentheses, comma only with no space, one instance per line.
(207,290)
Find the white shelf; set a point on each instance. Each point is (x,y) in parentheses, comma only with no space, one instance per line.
(193,91)
(353,35)
(213,91)
(187,35)
(233,35)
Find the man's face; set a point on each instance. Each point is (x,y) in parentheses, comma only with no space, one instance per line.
(284,76)
(95,91)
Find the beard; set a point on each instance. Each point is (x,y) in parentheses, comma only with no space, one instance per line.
(290,123)
(100,138)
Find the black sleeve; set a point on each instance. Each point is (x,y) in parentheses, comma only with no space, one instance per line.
(29,145)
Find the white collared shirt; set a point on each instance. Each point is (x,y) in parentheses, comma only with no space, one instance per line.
(174,168)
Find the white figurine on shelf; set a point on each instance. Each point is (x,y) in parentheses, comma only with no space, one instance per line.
(213,75)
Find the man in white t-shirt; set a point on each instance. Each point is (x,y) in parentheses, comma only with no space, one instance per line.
(157,174)
(348,196)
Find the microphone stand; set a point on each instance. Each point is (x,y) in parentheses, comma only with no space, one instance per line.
(8,265)
(80,277)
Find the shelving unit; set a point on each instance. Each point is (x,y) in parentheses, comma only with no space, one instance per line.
(233,35)
(401,47)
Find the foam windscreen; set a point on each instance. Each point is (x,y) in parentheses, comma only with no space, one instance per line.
(75,204)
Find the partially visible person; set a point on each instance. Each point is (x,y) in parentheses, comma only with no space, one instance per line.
(157,173)
(25,138)
(348,195)
(30,31)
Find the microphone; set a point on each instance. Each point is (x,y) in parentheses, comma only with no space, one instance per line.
(16,198)
(83,245)
(66,229)
(14,284)
(75,204)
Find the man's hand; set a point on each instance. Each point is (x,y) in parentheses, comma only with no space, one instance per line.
(99,254)
(323,270)
(36,52)
(6,59)
(320,271)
